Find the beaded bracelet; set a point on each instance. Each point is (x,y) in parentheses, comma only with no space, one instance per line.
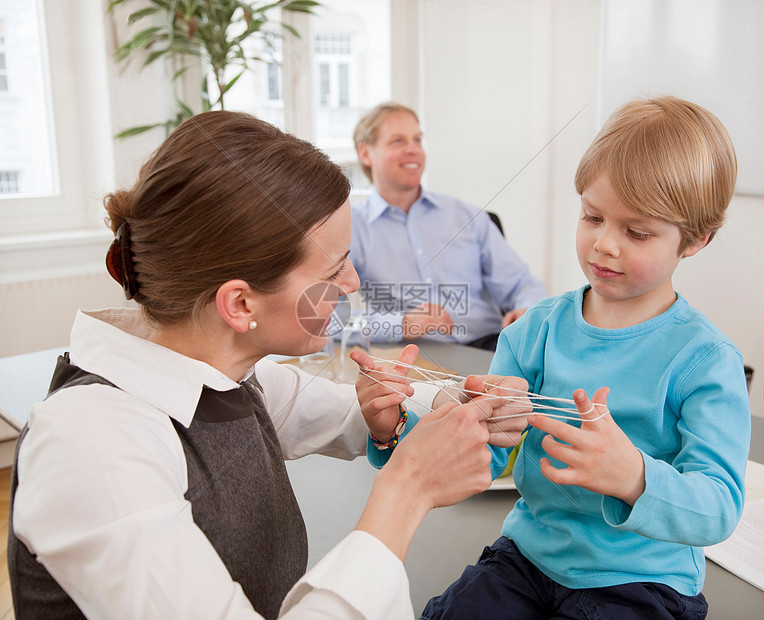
(399,428)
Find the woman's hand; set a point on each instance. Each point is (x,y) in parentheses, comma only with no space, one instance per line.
(446,455)
(505,423)
(443,460)
(599,456)
(379,401)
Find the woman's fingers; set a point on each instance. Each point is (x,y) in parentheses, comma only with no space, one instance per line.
(407,358)
(363,359)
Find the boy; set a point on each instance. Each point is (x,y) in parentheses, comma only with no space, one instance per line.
(616,509)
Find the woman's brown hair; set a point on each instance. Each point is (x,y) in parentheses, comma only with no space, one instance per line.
(226,196)
(666,158)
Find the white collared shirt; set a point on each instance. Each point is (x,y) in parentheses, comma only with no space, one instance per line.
(102,477)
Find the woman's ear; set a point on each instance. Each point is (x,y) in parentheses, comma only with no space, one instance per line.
(693,249)
(236,303)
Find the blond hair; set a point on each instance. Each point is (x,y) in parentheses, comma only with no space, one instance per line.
(367,129)
(666,158)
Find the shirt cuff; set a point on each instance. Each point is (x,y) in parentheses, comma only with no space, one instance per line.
(621,515)
(364,573)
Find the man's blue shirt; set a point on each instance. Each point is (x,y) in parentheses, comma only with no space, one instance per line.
(442,251)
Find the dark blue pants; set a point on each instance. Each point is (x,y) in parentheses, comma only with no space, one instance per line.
(504,584)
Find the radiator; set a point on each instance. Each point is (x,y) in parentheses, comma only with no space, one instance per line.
(38,314)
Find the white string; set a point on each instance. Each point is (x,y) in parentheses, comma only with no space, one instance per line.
(431,376)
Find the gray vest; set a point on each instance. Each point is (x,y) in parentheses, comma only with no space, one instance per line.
(240,498)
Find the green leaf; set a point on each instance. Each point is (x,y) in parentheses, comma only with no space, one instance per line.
(231,82)
(138,15)
(134,131)
(154,55)
(304,6)
(142,40)
(289,28)
(185,110)
(179,73)
(112,4)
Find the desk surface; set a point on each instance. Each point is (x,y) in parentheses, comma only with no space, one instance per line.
(332,494)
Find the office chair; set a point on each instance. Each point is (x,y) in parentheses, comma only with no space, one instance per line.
(495,219)
(748,377)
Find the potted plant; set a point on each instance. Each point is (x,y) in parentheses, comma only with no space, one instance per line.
(213,32)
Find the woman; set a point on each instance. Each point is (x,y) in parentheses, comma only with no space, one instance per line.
(151,482)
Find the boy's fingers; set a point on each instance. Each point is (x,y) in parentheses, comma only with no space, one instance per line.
(586,408)
(473,385)
(600,402)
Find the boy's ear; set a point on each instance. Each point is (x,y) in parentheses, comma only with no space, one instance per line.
(693,249)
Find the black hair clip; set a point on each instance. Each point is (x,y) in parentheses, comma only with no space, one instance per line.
(119,261)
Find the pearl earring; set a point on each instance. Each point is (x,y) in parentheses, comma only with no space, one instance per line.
(252,325)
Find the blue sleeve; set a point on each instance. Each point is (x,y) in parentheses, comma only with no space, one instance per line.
(378,458)
(504,363)
(697,499)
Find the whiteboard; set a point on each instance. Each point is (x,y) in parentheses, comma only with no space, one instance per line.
(708,51)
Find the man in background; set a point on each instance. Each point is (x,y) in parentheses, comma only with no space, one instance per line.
(430,265)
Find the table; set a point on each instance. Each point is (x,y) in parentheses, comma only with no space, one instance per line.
(332,495)
(24,381)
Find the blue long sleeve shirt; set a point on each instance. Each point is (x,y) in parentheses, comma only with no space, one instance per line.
(678,391)
(444,252)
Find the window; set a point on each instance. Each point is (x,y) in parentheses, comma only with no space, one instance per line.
(329,44)
(9,182)
(260,90)
(274,89)
(343,84)
(56,136)
(25,127)
(351,59)
(3,69)
(324,84)
(346,45)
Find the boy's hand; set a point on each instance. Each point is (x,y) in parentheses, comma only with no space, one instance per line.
(379,402)
(599,455)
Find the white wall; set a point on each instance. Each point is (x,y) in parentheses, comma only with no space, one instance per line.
(508,100)
(502,78)
(725,281)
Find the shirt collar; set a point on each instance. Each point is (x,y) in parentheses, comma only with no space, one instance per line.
(377,205)
(114,344)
